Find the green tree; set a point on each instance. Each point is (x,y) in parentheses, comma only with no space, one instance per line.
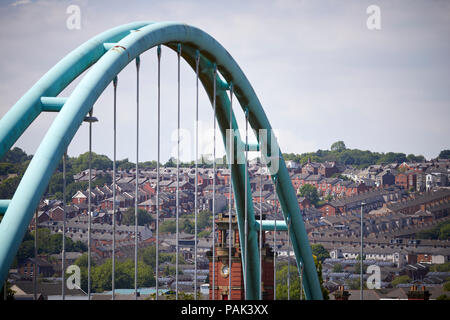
(9,292)
(444,267)
(204,219)
(338,146)
(100,162)
(446,286)
(309,192)
(168,226)
(444,232)
(8,187)
(355,284)
(282,289)
(144,218)
(320,252)
(15,155)
(400,280)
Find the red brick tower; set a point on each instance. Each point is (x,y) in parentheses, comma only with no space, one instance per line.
(222,266)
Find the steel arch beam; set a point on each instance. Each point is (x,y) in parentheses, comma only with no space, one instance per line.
(27,109)
(67,122)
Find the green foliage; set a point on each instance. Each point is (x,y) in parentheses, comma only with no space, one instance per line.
(401,279)
(414,158)
(204,234)
(320,252)
(8,187)
(356,157)
(52,243)
(282,288)
(204,219)
(446,286)
(81,162)
(168,226)
(445,267)
(9,292)
(144,218)
(441,231)
(338,146)
(355,284)
(309,192)
(443,297)
(15,155)
(124,274)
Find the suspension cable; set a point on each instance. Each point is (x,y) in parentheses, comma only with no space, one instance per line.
(246,203)
(63,253)
(89,207)
(113,281)
(289,259)
(214,189)
(275,245)
(260,231)
(301,280)
(35,252)
(197,63)
(178,174)
(138,64)
(230,212)
(157,170)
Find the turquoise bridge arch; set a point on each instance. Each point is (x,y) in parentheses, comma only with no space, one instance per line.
(106,55)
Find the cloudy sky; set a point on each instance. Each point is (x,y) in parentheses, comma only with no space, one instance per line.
(320,73)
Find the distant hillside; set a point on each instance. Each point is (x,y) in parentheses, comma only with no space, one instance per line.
(355,157)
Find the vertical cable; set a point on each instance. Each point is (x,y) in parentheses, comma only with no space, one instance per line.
(178,174)
(301,280)
(289,260)
(89,206)
(246,203)
(157,170)
(230,212)
(113,275)
(260,231)
(197,63)
(214,188)
(138,63)
(275,246)
(35,253)
(63,253)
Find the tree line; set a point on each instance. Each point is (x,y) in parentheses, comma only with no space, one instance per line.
(359,158)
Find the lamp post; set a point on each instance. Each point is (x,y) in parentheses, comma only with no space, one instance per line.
(361,255)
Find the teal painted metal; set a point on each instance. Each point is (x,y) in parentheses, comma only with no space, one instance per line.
(70,117)
(252,147)
(28,108)
(4,205)
(52,104)
(269,225)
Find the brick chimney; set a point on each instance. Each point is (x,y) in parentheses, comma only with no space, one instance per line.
(414,294)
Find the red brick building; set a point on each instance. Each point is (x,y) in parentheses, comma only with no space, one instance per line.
(223,267)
